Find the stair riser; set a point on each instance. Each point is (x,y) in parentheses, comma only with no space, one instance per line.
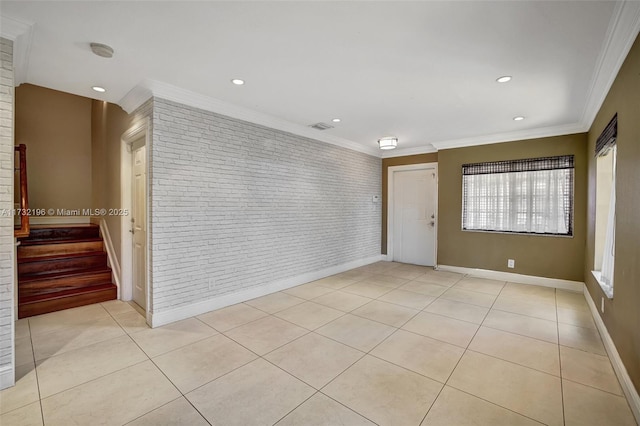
(63,264)
(66,282)
(59,249)
(71,301)
(63,233)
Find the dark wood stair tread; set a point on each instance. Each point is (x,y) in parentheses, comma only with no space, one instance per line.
(51,302)
(55,257)
(24,278)
(53,241)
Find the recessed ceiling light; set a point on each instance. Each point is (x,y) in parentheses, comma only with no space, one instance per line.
(237,81)
(99,89)
(503,79)
(336,120)
(518,118)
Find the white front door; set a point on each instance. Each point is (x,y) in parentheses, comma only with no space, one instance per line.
(139,224)
(414,216)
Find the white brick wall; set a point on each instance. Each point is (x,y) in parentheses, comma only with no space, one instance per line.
(6,221)
(235,205)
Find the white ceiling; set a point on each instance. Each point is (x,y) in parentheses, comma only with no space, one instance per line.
(422,71)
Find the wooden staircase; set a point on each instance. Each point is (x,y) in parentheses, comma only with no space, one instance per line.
(61,267)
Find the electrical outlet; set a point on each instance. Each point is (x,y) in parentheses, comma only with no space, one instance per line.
(511,263)
(602,304)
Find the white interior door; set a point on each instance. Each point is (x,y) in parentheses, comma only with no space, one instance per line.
(414,216)
(139,224)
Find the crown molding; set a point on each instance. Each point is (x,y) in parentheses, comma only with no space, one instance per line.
(621,34)
(403,152)
(21,33)
(152,88)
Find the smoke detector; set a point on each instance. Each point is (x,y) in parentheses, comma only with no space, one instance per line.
(102,50)
(321,126)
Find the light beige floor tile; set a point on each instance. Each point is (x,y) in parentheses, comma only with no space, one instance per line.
(314,359)
(113,399)
(383,392)
(132,322)
(359,333)
(366,289)
(532,293)
(75,336)
(589,369)
(335,282)
(386,313)
(201,362)
(345,302)
(175,413)
(442,328)
(231,317)
(470,297)
(577,317)
(275,302)
(387,280)
(586,339)
(481,285)
(528,392)
(320,410)
(29,415)
(522,324)
(571,300)
(62,372)
(403,273)
(22,328)
(427,289)
(156,341)
(586,406)
(519,349)
(524,305)
(24,351)
(61,319)
(23,393)
(461,409)
(117,307)
(423,355)
(308,291)
(458,310)
(407,298)
(446,279)
(256,394)
(310,315)
(380,267)
(266,334)
(357,274)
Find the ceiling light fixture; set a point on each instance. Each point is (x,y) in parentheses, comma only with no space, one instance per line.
(237,81)
(102,50)
(503,79)
(336,120)
(388,143)
(99,89)
(518,118)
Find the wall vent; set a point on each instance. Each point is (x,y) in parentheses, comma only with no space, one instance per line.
(321,126)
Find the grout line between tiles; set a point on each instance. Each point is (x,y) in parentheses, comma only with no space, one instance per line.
(564,416)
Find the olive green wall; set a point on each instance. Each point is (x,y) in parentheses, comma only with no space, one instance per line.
(622,313)
(398,161)
(542,256)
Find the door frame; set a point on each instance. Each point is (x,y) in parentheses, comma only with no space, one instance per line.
(138,130)
(390,207)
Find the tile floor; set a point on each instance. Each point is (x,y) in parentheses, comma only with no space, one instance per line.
(386,344)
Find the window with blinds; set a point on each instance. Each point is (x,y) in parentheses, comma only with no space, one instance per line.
(529,196)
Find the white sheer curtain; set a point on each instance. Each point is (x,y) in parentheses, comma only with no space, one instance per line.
(606,275)
(532,201)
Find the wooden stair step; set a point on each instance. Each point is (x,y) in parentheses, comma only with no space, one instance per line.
(75,278)
(59,248)
(62,232)
(61,263)
(65,299)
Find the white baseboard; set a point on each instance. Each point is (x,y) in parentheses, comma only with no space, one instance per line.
(623,377)
(58,220)
(183,312)
(7,377)
(515,278)
(111,254)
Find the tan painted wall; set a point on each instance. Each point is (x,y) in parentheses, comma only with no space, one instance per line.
(56,127)
(398,161)
(543,256)
(622,313)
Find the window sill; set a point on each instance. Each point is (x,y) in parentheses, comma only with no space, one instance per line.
(605,288)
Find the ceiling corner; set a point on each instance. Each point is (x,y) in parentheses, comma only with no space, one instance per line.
(21,33)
